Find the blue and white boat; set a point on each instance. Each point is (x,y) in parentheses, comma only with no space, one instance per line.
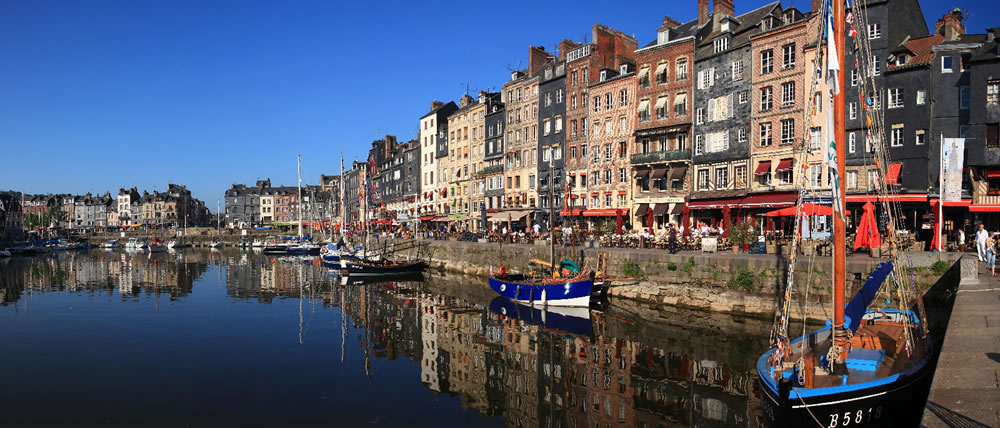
(520,288)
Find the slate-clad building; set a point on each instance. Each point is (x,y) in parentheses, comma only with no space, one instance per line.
(492,174)
(551,141)
(722,106)
(983,147)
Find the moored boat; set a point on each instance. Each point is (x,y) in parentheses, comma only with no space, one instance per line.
(111,243)
(528,290)
(359,267)
(575,320)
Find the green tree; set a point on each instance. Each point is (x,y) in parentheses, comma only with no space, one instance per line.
(56,214)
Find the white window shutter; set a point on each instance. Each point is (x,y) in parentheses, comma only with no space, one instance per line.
(710,116)
(725,140)
(711,77)
(701,74)
(729,105)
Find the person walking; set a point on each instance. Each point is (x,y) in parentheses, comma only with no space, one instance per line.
(991,254)
(672,240)
(982,236)
(961,240)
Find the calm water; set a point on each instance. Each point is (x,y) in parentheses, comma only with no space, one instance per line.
(203,338)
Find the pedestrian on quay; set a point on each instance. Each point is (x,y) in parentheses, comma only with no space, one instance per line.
(672,240)
(961,239)
(991,254)
(981,237)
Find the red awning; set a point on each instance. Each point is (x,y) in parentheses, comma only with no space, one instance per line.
(594,194)
(712,205)
(604,213)
(383,222)
(761,200)
(916,197)
(892,176)
(993,173)
(763,168)
(983,208)
(572,212)
(784,165)
(622,193)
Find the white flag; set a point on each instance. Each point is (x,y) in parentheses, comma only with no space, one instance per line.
(832,58)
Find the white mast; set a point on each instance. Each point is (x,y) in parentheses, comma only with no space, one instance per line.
(299,161)
(343,210)
(218,214)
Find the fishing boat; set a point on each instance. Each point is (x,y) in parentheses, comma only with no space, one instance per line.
(257,243)
(569,319)
(135,244)
(216,243)
(110,244)
(157,246)
(385,267)
(870,365)
(176,243)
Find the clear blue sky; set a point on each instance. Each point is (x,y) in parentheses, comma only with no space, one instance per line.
(97,95)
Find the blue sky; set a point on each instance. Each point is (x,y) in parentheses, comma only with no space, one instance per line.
(104,94)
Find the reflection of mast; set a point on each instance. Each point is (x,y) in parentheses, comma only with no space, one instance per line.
(343,331)
(301,296)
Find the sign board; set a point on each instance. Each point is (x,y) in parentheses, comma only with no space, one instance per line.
(952,157)
(709,245)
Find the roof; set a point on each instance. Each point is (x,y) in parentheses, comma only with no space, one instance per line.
(922,49)
(745,25)
(987,52)
(442,106)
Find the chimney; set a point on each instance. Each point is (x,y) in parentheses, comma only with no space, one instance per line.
(724,7)
(565,46)
(537,57)
(817,5)
(669,23)
(950,25)
(466,100)
(702,12)
(435,104)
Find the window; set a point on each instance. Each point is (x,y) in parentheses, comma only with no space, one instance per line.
(661,73)
(682,69)
(721,177)
(852,111)
(874,31)
(855,76)
(787,131)
(872,177)
(558,124)
(993,92)
(597,104)
(681,142)
(574,78)
(816,175)
(622,175)
(896,135)
(699,116)
(787,176)
(852,179)
(765,134)
(946,64)
(607,177)
(744,97)
(573,128)
(622,125)
(992,134)
(608,127)
(740,173)
(607,101)
(546,127)
(895,97)
(815,136)
(623,97)
(788,56)
(644,77)
(585,77)
(583,150)
(766,58)
(788,94)
(583,129)
(572,152)
(661,107)
(765,98)
(706,78)
(918,138)
(680,105)
(737,70)
(721,44)
(548,98)
(964,96)
(607,152)
(921,97)
(703,178)
(607,201)
(876,66)
(699,144)
(741,135)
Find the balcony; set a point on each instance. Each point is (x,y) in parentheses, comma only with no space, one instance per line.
(495,169)
(666,156)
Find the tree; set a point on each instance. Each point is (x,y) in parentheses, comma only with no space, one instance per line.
(56,214)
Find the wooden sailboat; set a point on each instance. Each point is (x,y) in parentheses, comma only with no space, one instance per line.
(567,285)
(869,365)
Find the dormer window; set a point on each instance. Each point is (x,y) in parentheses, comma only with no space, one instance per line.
(662,37)
(623,69)
(604,75)
(725,26)
(901,59)
(721,44)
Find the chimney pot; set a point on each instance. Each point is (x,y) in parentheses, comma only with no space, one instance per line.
(702,12)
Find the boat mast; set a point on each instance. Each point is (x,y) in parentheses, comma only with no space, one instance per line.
(343,212)
(839,226)
(299,164)
(552,219)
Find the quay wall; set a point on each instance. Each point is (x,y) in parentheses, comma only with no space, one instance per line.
(739,284)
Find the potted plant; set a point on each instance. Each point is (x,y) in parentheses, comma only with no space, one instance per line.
(740,236)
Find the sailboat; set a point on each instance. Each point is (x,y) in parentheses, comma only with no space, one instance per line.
(303,246)
(568,285)
(869,366)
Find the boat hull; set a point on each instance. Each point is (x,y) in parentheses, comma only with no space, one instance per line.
(572,320)
(355,267)
(893,400)
(574,293)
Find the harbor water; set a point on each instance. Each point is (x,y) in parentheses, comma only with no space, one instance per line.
(237,338)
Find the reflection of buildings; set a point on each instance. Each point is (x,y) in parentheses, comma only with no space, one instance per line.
(521,374)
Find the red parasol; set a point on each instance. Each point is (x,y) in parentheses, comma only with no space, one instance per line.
(726,219)
(936,240)
(618,222)
(649,220)
(867,233)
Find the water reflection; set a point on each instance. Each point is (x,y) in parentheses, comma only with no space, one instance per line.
(505,365)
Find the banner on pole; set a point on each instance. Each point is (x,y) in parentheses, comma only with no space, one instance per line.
(952,157)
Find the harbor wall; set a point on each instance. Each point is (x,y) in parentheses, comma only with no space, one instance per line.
(743,284)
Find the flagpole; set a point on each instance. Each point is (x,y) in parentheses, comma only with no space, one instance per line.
(839,225)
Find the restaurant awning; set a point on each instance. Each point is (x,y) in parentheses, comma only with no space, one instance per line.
(761,200)
(763,168)
(678,209)
(572,212)
(427,218)
(993,173)
(892,176)
(677,173)
(605,213)
(641,173)
(784,165)
(642,209)
(660,209)
(914,197)
(659,172)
